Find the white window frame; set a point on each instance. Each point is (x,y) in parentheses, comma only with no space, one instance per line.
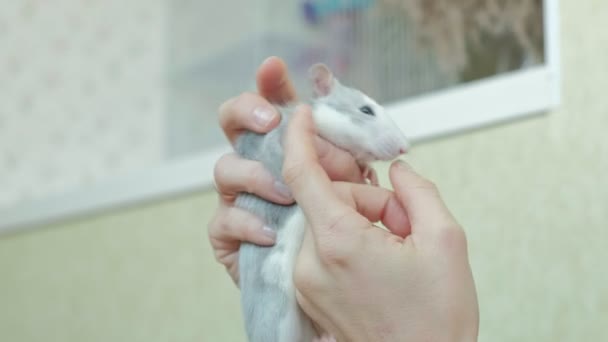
(489,101)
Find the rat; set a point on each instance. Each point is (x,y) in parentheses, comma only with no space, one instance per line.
(353,122)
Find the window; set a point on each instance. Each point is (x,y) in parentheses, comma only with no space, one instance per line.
(439,66)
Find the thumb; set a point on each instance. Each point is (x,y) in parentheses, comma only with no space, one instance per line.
(307,180)
(273,81)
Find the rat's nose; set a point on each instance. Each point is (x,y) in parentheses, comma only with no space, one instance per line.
(402,150)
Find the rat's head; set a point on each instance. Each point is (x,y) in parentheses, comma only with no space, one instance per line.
(351,120)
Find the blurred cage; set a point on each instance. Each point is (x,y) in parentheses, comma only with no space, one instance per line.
(214,51)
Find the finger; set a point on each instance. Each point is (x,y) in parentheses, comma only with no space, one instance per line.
(247,112)
(238,225)
(234,175)
(339,164)
(421,200)
(309,184)
(273,81)
(376,204)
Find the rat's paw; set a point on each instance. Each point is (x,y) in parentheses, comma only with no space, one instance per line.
(370,175)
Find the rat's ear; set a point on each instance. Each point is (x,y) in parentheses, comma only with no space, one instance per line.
(322,79)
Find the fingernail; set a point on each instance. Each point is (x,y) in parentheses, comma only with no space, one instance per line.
(269,232)
(263,116)
(403,165)
(283,190)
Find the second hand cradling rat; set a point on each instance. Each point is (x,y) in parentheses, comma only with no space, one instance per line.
(350,120)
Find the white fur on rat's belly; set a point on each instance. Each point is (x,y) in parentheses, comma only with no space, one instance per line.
(278,269)
(281,260)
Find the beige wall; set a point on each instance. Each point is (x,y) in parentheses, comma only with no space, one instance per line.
(532,195)
(82,93)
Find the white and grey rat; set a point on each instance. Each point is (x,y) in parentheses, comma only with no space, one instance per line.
(350,120)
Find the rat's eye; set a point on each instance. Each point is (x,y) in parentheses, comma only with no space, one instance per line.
(367,110)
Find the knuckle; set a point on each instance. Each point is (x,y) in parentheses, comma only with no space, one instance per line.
(219,256)
(230,219)
(217,225)
(245,100)
(211,228)
(221,227)
(292,171)
(247,227)
(225,111)
(334,255)
(255,177)
(229,110)
(336,249)
(247,233)
(453,238)
(214,229)
(427,184)
(220,167)
(222,258)
(225,106)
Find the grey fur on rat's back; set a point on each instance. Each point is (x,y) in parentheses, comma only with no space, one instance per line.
(262,303)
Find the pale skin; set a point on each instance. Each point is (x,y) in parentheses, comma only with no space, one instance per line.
(411,282)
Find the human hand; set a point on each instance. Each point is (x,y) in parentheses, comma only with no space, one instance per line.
(233,175)
(363,283)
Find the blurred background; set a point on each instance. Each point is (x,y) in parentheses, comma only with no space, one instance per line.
(91,90)
(82,93)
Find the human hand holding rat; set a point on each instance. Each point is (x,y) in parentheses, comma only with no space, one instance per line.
(233,174)
(362,283)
